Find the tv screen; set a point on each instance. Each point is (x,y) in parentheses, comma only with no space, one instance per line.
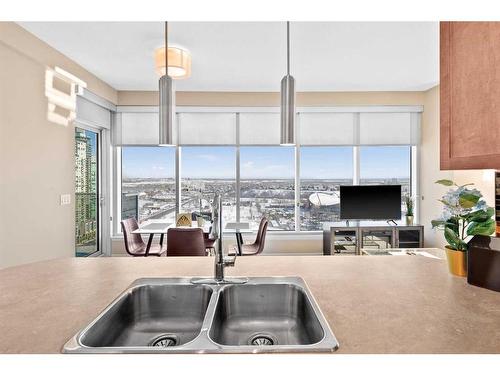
(370,202)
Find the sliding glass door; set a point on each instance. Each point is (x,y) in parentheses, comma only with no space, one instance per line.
(86,192)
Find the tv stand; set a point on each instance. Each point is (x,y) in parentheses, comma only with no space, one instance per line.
(349,238)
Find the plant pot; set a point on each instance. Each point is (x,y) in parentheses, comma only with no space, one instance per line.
(409,220)
(457,262)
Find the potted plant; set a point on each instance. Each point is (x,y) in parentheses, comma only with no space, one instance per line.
(465,214)
(409,209)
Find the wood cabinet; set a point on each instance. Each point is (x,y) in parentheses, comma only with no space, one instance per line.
(470,95)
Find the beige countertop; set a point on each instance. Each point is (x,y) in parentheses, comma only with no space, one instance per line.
(382,304)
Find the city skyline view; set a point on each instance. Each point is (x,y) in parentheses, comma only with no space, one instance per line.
(267,181)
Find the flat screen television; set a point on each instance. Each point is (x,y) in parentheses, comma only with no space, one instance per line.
(370,202)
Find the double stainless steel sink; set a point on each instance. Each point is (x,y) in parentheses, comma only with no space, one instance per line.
(173,315)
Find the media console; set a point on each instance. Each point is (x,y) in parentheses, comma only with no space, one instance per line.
(340,238)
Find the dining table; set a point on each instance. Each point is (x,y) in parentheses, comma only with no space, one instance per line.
(159,227)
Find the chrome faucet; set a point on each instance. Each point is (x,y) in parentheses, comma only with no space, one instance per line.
(221,262)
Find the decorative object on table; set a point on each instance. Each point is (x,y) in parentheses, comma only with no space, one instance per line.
(409,210)
(465,215)
(483,262)
(183,220)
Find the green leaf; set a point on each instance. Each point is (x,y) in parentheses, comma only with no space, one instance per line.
(452,238)
(438,223)
(444,182)
(480,215)
(485,228)
(468,200)
(446,203)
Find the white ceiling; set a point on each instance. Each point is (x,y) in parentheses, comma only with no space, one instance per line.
(251,56)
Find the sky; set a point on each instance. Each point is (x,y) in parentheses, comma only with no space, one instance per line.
(265,162)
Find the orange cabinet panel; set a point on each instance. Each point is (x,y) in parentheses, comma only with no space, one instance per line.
(470,95)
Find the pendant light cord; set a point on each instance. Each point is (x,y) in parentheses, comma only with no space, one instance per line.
(166,48)
(288,47)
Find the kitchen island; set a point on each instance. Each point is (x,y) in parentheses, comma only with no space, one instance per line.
(407,304)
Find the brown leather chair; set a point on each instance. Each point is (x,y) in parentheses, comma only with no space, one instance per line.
(134,245)
(185,242)
(258,246)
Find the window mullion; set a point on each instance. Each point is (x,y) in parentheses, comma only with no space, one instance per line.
(238,167)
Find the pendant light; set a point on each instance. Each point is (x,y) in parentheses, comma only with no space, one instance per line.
(166,105)
(287,132)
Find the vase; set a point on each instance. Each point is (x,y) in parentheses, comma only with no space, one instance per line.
(409,220)
(457,262)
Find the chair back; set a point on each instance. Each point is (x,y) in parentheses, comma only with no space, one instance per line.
(185,242)
(261,235)
(133,242)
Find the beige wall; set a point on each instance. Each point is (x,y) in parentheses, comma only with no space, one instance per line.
(431,192)
(36,157)
(186,98)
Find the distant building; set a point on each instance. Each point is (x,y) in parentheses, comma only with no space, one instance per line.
(85,189)
(130,206)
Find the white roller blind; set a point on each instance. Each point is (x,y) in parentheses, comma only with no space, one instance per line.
(326,129)
(207,128)
(389,128)
(90,113)
(259,128)
(136,129)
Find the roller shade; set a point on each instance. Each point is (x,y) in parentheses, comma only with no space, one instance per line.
(207,128)
(326,129)
(342,126)
(389,128)
(92,114)
(259,128)
(136,129)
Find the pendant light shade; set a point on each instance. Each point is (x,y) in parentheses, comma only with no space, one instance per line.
(179,61)
(166,107)
(287,131)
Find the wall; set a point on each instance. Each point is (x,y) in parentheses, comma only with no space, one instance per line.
(431,192)
(36,157)
(186,98)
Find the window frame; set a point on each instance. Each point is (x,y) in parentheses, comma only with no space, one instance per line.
(414,150)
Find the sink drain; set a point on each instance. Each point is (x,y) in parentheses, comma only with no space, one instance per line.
(262,339)
(164,341)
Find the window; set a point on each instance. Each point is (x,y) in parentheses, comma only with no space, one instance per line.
(322,171)
(148,183)
(386,165)
(235,153)
(268,186)
(86,193)
(206,171)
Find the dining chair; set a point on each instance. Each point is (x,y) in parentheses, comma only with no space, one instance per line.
(185,242)
(134,245)
(258,246)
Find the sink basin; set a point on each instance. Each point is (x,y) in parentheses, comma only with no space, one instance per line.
(151,315)
(172,315)
(265,314)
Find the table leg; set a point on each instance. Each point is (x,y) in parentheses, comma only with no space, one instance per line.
(148,246)
(161,239)
(239,241)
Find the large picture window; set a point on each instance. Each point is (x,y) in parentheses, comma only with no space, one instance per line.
(236,154)
(268,186)
(386,165)
(322,171)
(148,183)
(206,171)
